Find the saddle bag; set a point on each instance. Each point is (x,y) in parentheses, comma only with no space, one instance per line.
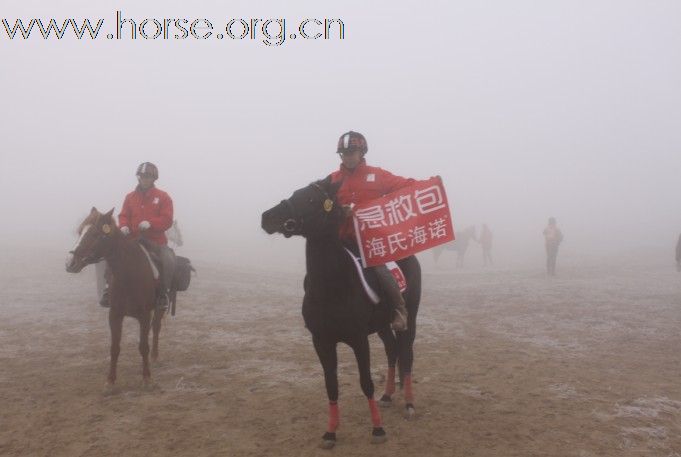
(183,273)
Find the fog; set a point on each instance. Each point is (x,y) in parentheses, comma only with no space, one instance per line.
(527,109)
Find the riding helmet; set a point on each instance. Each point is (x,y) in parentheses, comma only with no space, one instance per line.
(351,142)
(147,168)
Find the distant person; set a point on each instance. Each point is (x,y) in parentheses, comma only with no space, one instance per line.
(678,254)
(148,212)
(486,244)
(552,237)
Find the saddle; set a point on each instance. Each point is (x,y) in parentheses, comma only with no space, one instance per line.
(182,274)
(369,280)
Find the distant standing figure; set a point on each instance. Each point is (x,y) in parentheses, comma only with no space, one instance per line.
(486,243)
(678,254)
(553,237)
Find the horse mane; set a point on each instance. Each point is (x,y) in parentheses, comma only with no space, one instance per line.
(92,219)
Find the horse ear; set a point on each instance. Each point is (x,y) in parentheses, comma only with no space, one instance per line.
(330,187)
(109,213)
(324,183)
(93,210)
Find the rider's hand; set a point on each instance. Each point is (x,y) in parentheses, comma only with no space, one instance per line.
(125,230)
(144,225)
(347,210)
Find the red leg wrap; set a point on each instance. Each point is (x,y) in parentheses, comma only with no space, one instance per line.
(334,419)
(375,414)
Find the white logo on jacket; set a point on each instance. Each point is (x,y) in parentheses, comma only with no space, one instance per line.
(371,177)
(155,201)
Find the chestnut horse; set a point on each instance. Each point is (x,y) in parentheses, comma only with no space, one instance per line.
(337,309)
(132,289)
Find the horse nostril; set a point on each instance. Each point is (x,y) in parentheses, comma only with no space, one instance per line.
(290,225)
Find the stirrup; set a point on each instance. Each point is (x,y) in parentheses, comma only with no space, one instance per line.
(399,322)
(162,302)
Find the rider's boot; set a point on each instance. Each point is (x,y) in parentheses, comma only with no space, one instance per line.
(392,289)
(162,301)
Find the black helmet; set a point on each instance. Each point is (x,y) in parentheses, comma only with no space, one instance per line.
(351,142)
(147,168)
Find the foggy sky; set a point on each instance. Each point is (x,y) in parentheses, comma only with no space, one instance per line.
(527,109)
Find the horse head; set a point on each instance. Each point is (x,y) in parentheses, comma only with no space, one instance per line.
(310,211)
(95,236)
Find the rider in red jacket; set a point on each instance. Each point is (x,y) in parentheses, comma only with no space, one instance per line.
(148,212)
(150,205)
(361,183)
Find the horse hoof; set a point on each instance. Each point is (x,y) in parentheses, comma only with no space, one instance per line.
(111,389)
(328,440)
(385,401)
(327,444)
(378,436)
(409,412)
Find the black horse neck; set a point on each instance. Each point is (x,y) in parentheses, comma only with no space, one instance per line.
(325,260)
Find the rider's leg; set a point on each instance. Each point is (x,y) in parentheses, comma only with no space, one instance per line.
(167,270)
(392,289)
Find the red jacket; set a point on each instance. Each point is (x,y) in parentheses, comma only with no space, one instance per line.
(152,205)
(362,184)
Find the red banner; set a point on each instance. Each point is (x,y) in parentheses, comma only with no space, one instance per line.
(402,223)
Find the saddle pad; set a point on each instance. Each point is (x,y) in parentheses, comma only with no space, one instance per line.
(392,266)
(398,275)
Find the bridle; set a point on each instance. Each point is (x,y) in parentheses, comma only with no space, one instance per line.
(297,222)
(92,258)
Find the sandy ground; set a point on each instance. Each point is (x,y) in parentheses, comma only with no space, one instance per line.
(508,363)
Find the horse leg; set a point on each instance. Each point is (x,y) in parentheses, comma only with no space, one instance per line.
(144,348)
(156,328)
(405,343)
(405,340)
(390,345)
(116,326)
(361,349)
(326,351)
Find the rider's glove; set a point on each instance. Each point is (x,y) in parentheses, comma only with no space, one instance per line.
(144,225)
(125,230)
(348,210)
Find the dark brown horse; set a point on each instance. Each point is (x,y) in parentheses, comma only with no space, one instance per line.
(132,289)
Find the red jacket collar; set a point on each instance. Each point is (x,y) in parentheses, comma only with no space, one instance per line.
(144,192)
(346,171)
